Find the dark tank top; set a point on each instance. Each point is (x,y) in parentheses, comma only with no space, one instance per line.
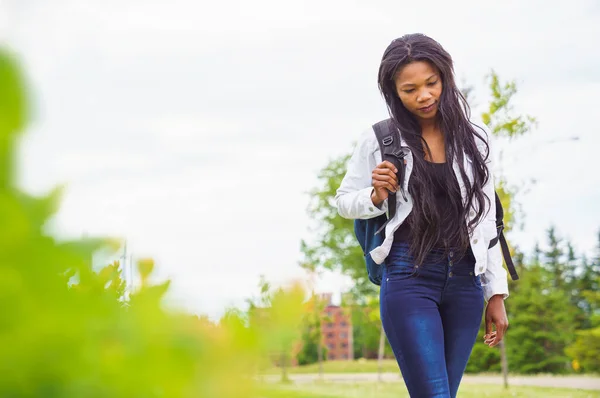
(440,172)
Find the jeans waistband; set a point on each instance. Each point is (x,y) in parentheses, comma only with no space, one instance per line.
(437,255)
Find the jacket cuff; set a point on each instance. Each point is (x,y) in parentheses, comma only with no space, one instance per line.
(495,288)
(495,276)
(369,210)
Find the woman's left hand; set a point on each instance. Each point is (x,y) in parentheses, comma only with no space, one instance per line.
(495,314)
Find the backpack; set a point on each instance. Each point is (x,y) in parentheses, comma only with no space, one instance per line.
(370,233)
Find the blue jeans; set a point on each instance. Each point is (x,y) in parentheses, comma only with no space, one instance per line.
(431,316)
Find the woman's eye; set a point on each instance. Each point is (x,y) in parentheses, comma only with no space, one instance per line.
(432,83)
(409,91)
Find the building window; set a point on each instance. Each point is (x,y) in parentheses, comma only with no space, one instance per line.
(344,345)
(332,357)
(343,335)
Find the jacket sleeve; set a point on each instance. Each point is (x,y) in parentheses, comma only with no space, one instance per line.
(495,276)
(353,197)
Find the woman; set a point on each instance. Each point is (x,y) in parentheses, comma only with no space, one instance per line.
(438,270)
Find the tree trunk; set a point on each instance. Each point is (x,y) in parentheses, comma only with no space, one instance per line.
(381,352)
(504,363)
(284,375)
(320,357)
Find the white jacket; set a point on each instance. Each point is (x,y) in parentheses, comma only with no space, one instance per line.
(353,199)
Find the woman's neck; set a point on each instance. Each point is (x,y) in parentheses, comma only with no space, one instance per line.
(431,131)
(429,127)
(435,147)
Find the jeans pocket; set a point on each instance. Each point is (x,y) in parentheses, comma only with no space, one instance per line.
(401,272)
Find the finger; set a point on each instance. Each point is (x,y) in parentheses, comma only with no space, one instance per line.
(385,171)
(393,176)
(500,328)
(384,185)
(489,338)
(386,164)
(384,178)
(488,326)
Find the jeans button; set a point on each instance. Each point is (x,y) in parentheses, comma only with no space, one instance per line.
(451,263)
(451,254)
(451,274)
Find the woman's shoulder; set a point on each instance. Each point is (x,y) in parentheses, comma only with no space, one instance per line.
(367,141)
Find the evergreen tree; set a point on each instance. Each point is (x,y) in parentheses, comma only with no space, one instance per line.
(542,314)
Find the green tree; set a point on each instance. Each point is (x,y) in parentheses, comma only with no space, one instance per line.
(334,247)
(560,261)
(585,351)
(366,333)
(278,309)
(588,286)
(309,353)
(313,350)
(543,320)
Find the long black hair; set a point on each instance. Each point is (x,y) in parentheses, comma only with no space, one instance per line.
(460,140)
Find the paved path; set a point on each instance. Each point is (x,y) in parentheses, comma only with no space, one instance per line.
(582,382)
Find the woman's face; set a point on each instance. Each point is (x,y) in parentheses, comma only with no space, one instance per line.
(419,87)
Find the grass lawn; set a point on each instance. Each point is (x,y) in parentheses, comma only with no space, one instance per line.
(357,366)
(397,390)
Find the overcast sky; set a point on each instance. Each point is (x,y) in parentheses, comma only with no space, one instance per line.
(194,129)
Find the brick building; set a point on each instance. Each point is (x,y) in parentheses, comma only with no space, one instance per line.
(336,330)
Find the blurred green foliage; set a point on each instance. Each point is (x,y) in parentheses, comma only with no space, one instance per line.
(67,331)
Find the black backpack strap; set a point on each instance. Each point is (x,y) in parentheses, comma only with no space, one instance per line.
(499,221)
(509,262)
(391,150)
(500,238)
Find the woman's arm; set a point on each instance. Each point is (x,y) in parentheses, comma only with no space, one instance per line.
(496,277)
(353,197)
(495,286)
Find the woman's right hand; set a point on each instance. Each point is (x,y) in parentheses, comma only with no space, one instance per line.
(384,180)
